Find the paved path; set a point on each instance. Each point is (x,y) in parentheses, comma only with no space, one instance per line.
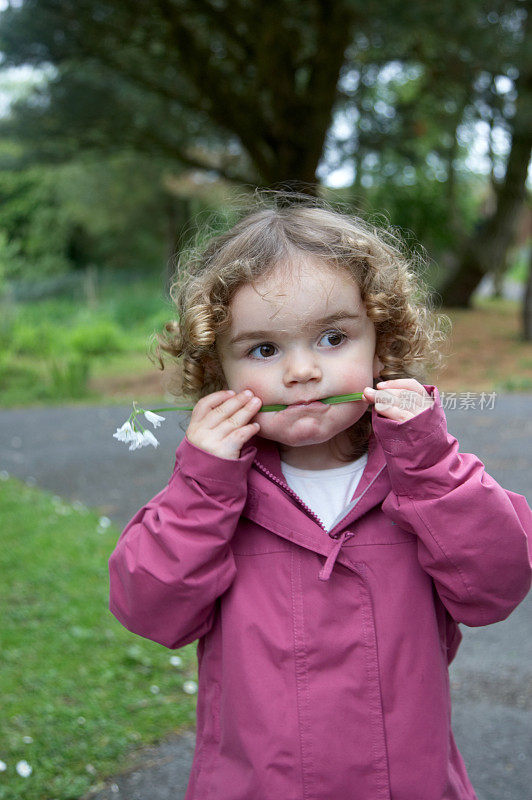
(71,452)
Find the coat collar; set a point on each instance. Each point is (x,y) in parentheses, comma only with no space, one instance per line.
(273,505)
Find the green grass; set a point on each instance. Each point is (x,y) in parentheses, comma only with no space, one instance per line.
(85,690)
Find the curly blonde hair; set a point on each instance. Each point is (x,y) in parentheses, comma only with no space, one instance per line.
(273,227)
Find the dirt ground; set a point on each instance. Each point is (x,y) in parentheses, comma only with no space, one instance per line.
(486,349)
(484,352)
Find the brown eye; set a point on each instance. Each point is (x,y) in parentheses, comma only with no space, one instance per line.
(337,337)
(261,348)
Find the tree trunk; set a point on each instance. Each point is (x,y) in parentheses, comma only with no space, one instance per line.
(527,305)
(486,251)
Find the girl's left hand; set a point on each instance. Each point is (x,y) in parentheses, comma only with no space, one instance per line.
(399,399)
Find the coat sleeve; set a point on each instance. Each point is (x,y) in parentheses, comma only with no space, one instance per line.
(473,535)
(173,559)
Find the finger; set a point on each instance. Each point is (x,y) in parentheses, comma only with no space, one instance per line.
(390,404)
(406,400)
(223,411)
(400,383)
(242,415)
(211,401)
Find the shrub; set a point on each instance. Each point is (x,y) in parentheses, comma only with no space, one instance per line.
(32,340)
(99,339)
(70,378)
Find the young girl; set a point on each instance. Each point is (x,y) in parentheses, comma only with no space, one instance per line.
(322,554)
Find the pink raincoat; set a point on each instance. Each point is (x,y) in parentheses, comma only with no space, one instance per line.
(323,656)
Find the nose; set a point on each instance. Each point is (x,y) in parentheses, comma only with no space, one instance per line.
(301,365)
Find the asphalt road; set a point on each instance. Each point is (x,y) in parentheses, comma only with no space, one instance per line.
(71,451)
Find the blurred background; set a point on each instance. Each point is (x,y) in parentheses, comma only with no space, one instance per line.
(123,127)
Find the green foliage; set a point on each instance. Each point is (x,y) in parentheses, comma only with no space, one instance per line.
(100,338)
(18,381)
(85,690)
(34,225)
(132,307)
(423,208)
(33,339)
(109,211)
(70,378)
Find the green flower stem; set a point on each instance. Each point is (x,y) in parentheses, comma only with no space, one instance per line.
(337,398)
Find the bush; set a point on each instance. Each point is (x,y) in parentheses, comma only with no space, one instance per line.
(18,384)
(137,307)
(70,378)
(99,339)
(32,340)
(17,378)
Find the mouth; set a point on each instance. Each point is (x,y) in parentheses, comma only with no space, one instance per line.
(308,404)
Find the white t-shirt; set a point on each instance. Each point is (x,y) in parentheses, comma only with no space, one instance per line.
(326,491)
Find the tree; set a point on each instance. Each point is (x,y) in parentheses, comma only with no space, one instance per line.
(249,90)
(245,90)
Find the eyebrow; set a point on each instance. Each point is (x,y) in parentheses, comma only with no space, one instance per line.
(338,315)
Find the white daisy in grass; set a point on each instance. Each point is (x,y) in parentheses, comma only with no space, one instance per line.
(23,769)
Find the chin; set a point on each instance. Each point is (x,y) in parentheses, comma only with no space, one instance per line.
(293,439)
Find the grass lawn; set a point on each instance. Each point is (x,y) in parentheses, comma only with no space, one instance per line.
(79,692)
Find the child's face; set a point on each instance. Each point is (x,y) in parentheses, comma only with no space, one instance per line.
(295,357)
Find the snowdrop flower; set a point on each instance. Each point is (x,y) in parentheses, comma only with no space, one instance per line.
(176,661)
(190,687)
(136,439)
(155,419)
(23,769)
(125,433)
(149,438)
(142,439)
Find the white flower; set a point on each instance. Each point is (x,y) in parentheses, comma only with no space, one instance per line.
(149,438)
(137,440)
(155,419)
(190,687)
(125,433)
(154,689)
(23,769)
(3,766)
(176,661)
(27,739)
(104,522)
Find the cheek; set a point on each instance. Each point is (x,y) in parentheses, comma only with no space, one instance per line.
(263,389)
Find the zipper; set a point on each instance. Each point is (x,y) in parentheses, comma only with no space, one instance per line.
(325,572)
(291,491)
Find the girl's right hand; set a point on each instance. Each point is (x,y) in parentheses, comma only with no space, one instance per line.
(220,422)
